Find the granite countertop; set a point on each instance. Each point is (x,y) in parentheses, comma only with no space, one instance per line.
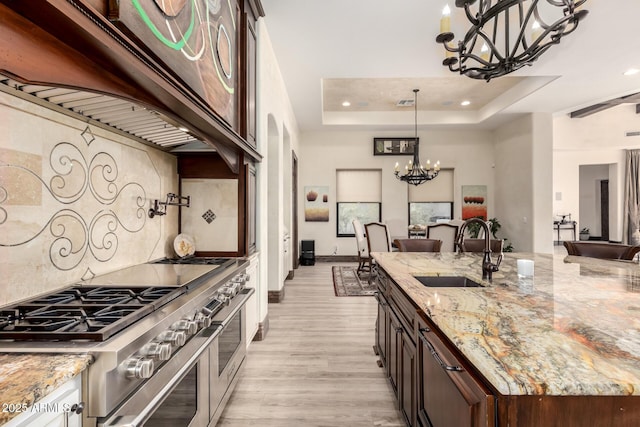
(27,378)
(574,329)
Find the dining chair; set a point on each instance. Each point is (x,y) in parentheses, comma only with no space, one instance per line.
(477,245)
(418,245)
(446,233)
(364,260)
(602,250)
(378,240)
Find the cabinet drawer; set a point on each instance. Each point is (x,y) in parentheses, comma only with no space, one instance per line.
(448,395)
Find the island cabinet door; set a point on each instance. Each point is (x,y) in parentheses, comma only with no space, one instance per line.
(382,329)
(448,395)
(408,399)
(394,351)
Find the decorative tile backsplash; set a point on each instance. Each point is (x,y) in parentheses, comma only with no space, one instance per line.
(74,200)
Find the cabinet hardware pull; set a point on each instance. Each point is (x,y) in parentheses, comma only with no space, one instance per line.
(425,329)
(434,353)
(399,330)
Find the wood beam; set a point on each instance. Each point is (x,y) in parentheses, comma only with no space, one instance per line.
(596,108)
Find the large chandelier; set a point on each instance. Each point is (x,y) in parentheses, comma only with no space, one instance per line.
(506,35)
(415,173)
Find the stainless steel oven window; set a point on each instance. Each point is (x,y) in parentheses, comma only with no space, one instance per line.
(181,405)
(229,341)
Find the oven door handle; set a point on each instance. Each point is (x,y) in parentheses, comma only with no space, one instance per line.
(138,420)
(238,303)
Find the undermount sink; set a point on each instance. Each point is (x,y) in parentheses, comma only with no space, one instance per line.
(447,282)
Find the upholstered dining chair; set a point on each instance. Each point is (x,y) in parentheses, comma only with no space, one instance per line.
(602,250)
(364,260)
(477,245)
(378,240)
(445,232)
(418,245)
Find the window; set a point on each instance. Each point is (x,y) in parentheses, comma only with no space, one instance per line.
(433,200)
(359,196)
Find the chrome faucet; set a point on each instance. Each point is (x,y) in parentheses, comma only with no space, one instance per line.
(488,267)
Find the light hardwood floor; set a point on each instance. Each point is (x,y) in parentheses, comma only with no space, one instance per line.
(316,366)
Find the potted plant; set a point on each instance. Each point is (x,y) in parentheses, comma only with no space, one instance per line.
(584,233)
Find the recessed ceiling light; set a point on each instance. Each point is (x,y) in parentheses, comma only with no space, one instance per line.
(631,72)
(465,103)
(346,104)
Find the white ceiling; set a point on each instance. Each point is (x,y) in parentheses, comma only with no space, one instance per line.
(373,53)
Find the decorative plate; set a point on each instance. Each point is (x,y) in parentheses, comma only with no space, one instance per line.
(184,245)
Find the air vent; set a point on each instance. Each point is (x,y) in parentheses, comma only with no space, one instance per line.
(405,103)
(636,133)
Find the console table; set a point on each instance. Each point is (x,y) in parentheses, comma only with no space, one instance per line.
(567,225)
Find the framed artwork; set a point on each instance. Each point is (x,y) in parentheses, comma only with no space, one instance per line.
(474,201)
(316,203)
(394,146)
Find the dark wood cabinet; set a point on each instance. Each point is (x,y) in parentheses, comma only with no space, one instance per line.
(396,346)
(448,395)
(408,401)
(249,66)
(394,354)
(381,329)
(251,210)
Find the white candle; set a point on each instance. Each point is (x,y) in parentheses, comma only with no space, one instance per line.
(397,167)
(484,52)
(536,31)
(445,21)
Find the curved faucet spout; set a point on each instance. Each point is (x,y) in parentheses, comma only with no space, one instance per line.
(488,267)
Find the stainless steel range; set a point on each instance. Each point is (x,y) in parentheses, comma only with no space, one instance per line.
(167,339)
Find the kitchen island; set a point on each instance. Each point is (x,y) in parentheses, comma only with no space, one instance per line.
(560,349)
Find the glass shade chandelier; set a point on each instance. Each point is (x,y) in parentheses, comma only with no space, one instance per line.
(506,35)
(414,172)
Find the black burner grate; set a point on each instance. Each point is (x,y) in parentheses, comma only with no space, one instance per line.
(82,313)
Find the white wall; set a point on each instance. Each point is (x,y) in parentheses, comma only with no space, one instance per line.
(277,137)
(321,153)
(523,159)
(593,140)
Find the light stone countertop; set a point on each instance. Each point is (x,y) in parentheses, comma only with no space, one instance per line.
(574,329)
(27,378)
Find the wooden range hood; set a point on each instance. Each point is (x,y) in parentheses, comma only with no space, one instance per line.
(71,44)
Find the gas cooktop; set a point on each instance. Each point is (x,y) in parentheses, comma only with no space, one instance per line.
(82,313)
(195,260)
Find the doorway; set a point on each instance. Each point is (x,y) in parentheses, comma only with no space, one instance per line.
(604,209)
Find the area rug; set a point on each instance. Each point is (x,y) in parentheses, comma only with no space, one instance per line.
(346,282)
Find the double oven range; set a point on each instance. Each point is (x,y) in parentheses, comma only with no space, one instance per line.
(167,339)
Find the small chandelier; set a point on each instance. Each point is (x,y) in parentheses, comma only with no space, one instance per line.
(488,51)
(414,172)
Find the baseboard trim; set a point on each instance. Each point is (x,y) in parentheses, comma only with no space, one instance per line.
(263,328)
(336,258)
(276,296)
